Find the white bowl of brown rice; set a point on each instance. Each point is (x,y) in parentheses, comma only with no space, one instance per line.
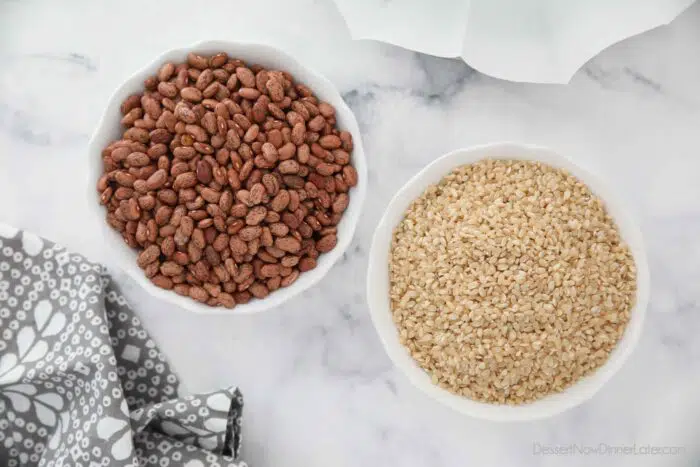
(507,283)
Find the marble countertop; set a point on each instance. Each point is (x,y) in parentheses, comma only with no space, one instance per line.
(319,389)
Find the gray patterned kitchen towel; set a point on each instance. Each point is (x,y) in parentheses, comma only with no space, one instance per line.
(81,381)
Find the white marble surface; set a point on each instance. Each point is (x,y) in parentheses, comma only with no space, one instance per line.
(319,389)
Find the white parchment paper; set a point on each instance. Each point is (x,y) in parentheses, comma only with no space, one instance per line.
(543,41)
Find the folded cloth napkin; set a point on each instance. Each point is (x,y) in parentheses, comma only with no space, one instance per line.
(81,381)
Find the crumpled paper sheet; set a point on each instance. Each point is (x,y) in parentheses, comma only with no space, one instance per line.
(539,41)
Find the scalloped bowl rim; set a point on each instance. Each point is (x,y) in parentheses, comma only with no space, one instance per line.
(269,56)
(378,285)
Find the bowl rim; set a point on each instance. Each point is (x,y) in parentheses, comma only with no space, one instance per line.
(316,81)
(380,310)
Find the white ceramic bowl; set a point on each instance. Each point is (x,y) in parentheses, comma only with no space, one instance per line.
(109,129)
(378,285)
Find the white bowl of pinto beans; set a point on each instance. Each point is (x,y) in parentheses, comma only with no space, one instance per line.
(229,177)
